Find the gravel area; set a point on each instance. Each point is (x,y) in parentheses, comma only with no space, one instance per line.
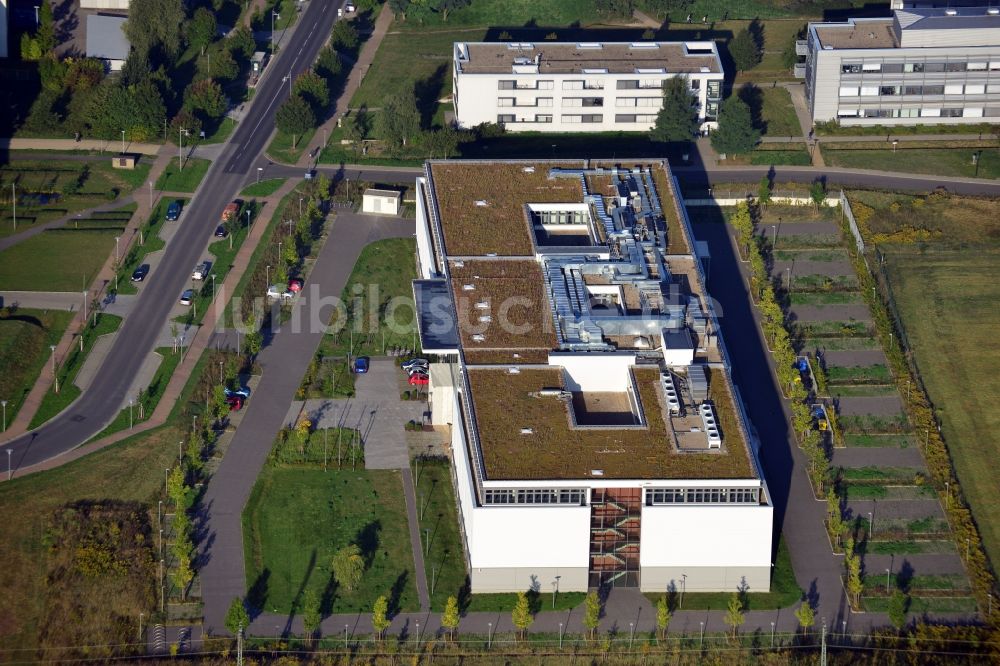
(806,267)
(921,563)
(905,509)
(886,405)
(839,312)
(892,456)
(800,229)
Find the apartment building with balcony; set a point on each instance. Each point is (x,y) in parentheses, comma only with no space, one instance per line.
(922,65)
(580,87)
(597,435)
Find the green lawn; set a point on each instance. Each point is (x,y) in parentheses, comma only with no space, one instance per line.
(56,260)
(537,601)
(25,337)
(175,179)
(264,188)
(777,113)
(298,517)
(282,150)
(947,299)
(98,183)
(436,509)
(384,273)
(781,157)
(933,161)
(53,402)
(784,591)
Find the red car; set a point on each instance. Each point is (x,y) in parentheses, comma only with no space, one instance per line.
(418,379)
(295,285)
(235,402)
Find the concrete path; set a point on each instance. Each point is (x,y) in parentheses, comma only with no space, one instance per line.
(284,362)
(351,86)
(43,300)
(874,456)
(100,349)
(121,305)
(111,147)
(415,543)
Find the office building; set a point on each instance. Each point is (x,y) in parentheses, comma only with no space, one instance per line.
(926,65)
(597,435)
(587,87)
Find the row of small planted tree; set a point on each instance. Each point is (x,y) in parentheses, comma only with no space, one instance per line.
(753,247)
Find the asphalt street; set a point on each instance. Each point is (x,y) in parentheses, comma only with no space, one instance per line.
(89,414)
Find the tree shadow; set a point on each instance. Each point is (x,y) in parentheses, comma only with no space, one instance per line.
(426,93)
(465,595)
(367,541)
(257,594)
(904,577)
(397,592)
(753,97)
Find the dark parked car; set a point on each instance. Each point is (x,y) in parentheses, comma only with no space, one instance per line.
(173,211)
(139,274)
(220,231)
(361,365)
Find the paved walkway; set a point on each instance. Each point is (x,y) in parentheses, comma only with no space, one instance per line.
(84,144)
(43,300)
(104,277)
(354,79)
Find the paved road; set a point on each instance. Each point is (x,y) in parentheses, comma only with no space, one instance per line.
(99,405)
(284,362)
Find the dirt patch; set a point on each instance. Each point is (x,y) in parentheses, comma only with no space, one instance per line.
(910,509)
(800,268)
(860,357)
(874,405)
(799,229)
(838,312)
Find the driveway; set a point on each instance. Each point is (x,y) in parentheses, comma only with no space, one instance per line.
(376,411)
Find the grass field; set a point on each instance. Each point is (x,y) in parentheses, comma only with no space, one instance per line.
(25,336)
(297,518)
(282,150)
(175,179)
(934,161)
(947,300)
(151,243)
(27,504)
(382,276)
(264,188)
(445,559)
(97,182)
(777,114)
(56,260)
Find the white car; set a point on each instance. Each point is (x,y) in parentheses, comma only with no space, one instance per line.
(276,291)
(200,271)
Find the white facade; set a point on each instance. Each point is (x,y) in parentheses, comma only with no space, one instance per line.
(3,28)
(923,66)
(592,98)
(104,4)
(381,202)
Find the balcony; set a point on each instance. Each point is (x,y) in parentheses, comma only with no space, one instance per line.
(799,70)
(801,47)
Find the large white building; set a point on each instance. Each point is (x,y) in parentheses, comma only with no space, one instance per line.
(587,87)
(596,433)
(923,65)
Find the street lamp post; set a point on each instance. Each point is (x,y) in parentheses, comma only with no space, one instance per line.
(10,472)
(259,169)
(274,15)
(13,203)
(895,142)
(267,276)
(54,378)
(248,217)
(888,572)
(4,403)
(871,525)
(117,255)
(300,206)
(37,22)
(772,634)
(151,195)
(181,133)
(684,580)
(123,142)
(130,403)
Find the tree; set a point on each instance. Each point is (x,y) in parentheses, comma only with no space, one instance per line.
(155,24)
(399,7)
(201,29)
(313,88)
(136,67)
(295,117)
(450,617)
(743,225)
(182,573)
(399,120)
(764,191)
(328,64)
(348,566)
(237,618)
(788,55)
(834,515)
(184,120)
(736,133)
(521,615)
(448,6)
(254,341)
(677,120)
(344,36)
(852,563)
(46,28)
(441,143)
(734,613)
(806,616)
(241,43)
(746,48)
(380,616)
(206,96)
(217,406)
(817,192)
(31,49)
(616,8)
(592,612)
(311,614)
(898,603)
(356,129)
(222,66)
(663,615)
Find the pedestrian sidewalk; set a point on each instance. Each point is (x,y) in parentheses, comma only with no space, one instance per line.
(111,147)
(191,355)
(354,79)
(104,277)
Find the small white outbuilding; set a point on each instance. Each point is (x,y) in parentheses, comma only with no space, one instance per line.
(381,202)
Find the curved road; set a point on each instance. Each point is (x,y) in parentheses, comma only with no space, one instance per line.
(227,175)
